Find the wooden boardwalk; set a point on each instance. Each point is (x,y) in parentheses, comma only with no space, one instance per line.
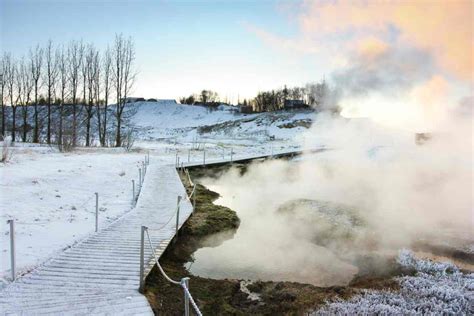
(202,161)
(100,275)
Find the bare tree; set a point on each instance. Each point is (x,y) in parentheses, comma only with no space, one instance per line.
(50,79)
(97,89)
(92,68)
(84,80)
(75,59)
(62,59)
(123,78)
(27,88)
(17,68)
(107,72)
(10,72)
(2,86)
(36,64)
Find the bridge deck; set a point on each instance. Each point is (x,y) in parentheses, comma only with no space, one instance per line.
(100,275)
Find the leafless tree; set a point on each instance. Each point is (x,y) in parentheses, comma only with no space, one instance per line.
(84,81)
(27,88)
(50,80)
(106,76)
(62,59)
(75,59)
(92,69)
(36,64)
(97,90)
(123,78)
(10,78)
(2,86)
(18,69)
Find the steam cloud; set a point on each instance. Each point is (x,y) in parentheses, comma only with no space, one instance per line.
(402,192)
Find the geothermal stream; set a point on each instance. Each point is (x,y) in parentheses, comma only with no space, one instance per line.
(254,253)
(286,234)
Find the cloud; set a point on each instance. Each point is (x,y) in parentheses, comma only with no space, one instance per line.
(281,43)
(442,27)
(376,66)
(398,62)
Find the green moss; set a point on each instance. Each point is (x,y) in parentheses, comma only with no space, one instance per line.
(209,218)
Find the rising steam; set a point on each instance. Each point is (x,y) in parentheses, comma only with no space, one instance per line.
(402,192)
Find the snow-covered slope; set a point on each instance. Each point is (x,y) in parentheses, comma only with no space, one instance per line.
(159,120)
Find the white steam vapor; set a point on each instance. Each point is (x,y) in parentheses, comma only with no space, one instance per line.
(377,189)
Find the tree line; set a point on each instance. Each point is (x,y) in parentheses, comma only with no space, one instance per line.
(204,97)
(314,95)
(75,93)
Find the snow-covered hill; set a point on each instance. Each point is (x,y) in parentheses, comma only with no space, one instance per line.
(161,121)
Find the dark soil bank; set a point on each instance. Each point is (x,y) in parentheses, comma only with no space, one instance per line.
(225,297)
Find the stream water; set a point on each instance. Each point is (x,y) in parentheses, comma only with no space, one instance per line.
(293,229)
(265,246)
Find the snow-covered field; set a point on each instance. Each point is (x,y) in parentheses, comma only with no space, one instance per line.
(196,124)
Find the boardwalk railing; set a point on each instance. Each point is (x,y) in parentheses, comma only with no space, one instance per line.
(11,222)
(184,282)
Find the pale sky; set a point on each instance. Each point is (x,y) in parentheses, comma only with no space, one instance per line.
(181,46)
(404,59)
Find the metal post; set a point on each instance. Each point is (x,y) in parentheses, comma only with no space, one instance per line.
(142,260)
(186,297)
(194,197)
(133,191)
(189,155)
(12,246)
(140,177)
(272,150)
(176,159)
(231,153)
(96,212)
(177,215)
(177,166)
(204,158)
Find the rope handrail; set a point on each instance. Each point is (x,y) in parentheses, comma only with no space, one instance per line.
(191,299)
(169,220)
(192,193)
(182,283)
(191,183)
(157,262)
(189,177)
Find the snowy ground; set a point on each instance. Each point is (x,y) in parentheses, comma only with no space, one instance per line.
(51,194)
(197,125)
(51,197)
